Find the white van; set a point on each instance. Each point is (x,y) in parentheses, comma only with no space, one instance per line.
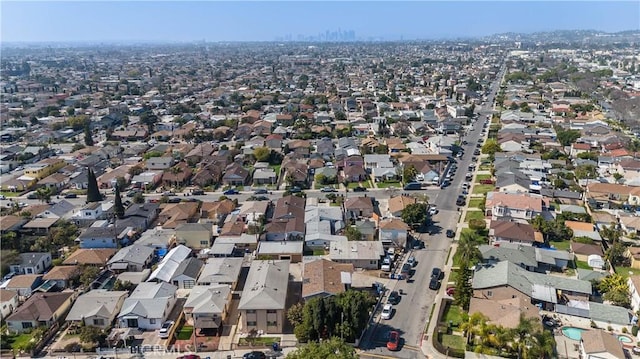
(386,265)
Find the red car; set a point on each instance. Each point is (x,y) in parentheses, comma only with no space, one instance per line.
(394,341)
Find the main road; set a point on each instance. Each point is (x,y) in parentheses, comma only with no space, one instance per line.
(411,313)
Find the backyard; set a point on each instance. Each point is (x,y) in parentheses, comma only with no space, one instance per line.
(561,245)
(627,271)
(185,333)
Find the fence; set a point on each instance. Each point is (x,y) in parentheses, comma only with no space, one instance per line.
(436,337)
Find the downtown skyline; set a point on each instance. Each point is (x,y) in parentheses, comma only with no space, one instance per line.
(213,21)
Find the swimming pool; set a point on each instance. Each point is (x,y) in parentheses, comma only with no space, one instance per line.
(573,333)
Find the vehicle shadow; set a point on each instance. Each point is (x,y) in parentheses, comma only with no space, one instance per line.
(380,336)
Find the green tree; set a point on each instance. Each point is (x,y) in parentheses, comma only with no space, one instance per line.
(44,194)
(138,198)
(327,349)
(295,314)
(617,176)
(88,137)
(90,334)
(415,214)
(464,291)
(409,173)
(615,254)
(491,147)
(586,171)
(93,193)
(118,207)
(262,154)
(567,137)
(611,233)
(352,233)
(89,274)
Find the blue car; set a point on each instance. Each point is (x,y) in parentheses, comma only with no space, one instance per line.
(230,192)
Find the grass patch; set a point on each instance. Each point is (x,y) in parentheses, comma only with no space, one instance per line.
(453,341)
(627,271)
(365,184)
(562,246)
(473,215)
(276,169)
(483,188)
(485,167)
(18,341)
(185,333)
(259,340)
(453,315)
(582,265)
(10,194)
(476,202)
(481,177)
(395,184)
(319,252)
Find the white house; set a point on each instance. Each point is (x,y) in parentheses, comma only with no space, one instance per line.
(393,233)
(31,263)
(8,302)
(148,306)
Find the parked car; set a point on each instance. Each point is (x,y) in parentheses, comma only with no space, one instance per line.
(412,261)
(197,192)
(165,329)
(433,211)
(328,189)
(258,198)
(434,284)
(32,195)
(406,268)
(394,341)
(2,196)
(412,186)
(387,310)
(70,195)
(386,265)
(295,189)
(261,191)
(255,355)
(174,200)
(450,233)
(460,201)
(437,273)
(394,297)
(360,189)
(230,192)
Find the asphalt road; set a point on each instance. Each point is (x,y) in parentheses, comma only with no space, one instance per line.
(411,313)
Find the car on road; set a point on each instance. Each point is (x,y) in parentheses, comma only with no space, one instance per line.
(434,284)
(386,265)
(255,355)
(460,201)
(394,297)
(131,193)
(32,195)
(412,261)
(433,210)
(174,200)
(70,195)
(437,273)
(412,186)
(476,152)
(197,192)
(451,233)
(328,189)
(165,329)
(3,196)
(261,191)
(394,341)
(359,189)
(258,198)
(636,350)
(418,244)
(387,310)
(295,189)
(230,192)
(406,268)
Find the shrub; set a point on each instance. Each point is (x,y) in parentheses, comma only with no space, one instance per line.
(477,224)
(593,324)
(634,330)
(624,330)
(610,328)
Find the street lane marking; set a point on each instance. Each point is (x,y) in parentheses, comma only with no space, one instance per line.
(365,354)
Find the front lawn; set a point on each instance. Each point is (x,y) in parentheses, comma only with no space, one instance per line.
(483,188)
(10,194)
(276,169)
(476,202)
(19,342)
(395,184)
(583,265)
(259,340)
(453,315)
(455,342)
(318,185)
(473,215)
(353,185)
(627,271)
(185,333)
(482,177)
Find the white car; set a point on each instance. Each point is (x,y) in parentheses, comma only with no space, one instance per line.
(166,328)
(433,211)
(386,311)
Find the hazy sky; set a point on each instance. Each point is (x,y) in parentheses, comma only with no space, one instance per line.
(265,21)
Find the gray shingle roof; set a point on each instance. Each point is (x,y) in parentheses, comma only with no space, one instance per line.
(135,253)
(266,285)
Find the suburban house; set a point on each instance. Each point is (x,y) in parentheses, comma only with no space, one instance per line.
(98,237)
(133,258)
(63,276)
(608,195)
(194,235)
(24,284)
(397,204)
(516,206)
(633,253)
(31,263)
(148,306)
(178,268)
(8,302)
(90,257)
(528,257)
(97,308)
(207,306)
(235,175)
(174,214)
(288,219)
(281,250)
(504,312)
(218,210)
(323,278)
(505,280)
(361,254)
(393,232)
(598,344)
(41,309)
(264,176)
(88,214)
(356,207)
(224,270)
(263,303)
(514,232)
(634,290)
(583,251)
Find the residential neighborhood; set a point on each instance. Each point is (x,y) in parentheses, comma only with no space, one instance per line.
(451,193)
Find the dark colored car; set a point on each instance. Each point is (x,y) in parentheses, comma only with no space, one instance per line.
(434,284)
(131,194)
(450,233)
(394,341)
(255,355)
(436,273)
(230,192)
(476,152)
(261,191)
(360,189)
(174,200)
(394,297)
(70,195)
(460,201)
(197,192)
(258,198)
(295,189)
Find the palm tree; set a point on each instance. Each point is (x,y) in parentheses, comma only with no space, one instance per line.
(44,194)
(544,345)
(467,250)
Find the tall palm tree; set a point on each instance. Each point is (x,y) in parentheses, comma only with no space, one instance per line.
(467,251)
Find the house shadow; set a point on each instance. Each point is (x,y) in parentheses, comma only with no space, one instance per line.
(294,295)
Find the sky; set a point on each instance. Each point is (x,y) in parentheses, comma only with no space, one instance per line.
(184,21)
